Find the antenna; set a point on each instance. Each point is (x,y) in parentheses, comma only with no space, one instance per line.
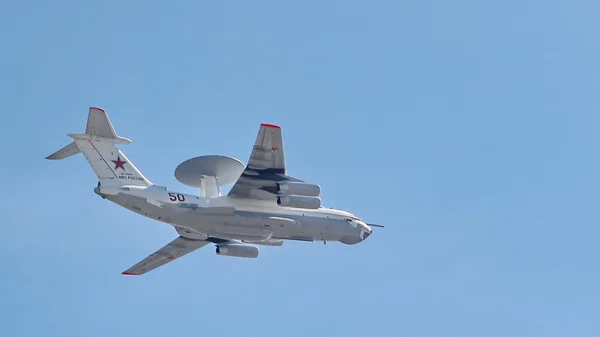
(209,173)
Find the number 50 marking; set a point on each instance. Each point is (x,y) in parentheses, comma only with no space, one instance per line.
(176,196)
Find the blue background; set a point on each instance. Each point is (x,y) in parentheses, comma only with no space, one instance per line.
(468,128)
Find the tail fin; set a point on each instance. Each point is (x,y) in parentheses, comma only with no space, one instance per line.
(98,145)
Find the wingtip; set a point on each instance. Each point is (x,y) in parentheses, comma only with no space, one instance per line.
(271,126)
(128,273)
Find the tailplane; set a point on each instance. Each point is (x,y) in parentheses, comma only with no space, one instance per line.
(98,145)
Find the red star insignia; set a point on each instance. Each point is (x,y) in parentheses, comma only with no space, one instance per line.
(171,258)
(274,148)
(119,163)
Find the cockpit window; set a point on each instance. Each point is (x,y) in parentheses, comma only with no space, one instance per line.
(351,221)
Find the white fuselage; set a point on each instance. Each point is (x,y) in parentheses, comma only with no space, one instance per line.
(250,220)
(264,206)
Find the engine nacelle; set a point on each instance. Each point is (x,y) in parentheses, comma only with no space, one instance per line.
(298,188)
(297,201)
(237,250)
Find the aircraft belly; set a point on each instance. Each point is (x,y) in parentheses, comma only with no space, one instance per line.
(241,225)
(293,227)
(321,229)
(240,232)
(248,227)
(141,206)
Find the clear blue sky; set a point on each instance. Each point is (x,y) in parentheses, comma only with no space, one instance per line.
(468,128)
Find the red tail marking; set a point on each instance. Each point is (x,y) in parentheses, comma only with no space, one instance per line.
(271,126)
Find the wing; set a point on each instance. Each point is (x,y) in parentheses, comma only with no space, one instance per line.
(266,166)
(175,249)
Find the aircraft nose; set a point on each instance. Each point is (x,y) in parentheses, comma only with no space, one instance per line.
(359,237)
(365,231)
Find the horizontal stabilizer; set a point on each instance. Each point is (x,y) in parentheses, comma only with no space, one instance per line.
(98,126)
(65,152)
(99,146)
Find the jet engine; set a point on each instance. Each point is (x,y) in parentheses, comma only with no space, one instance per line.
(298,188)
(299,201)
(237,250)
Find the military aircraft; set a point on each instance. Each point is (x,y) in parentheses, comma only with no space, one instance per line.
(265,206)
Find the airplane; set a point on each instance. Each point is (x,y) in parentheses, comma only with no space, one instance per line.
(265,206)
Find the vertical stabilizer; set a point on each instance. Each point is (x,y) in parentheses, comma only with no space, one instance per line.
(99,125)
(98,145)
